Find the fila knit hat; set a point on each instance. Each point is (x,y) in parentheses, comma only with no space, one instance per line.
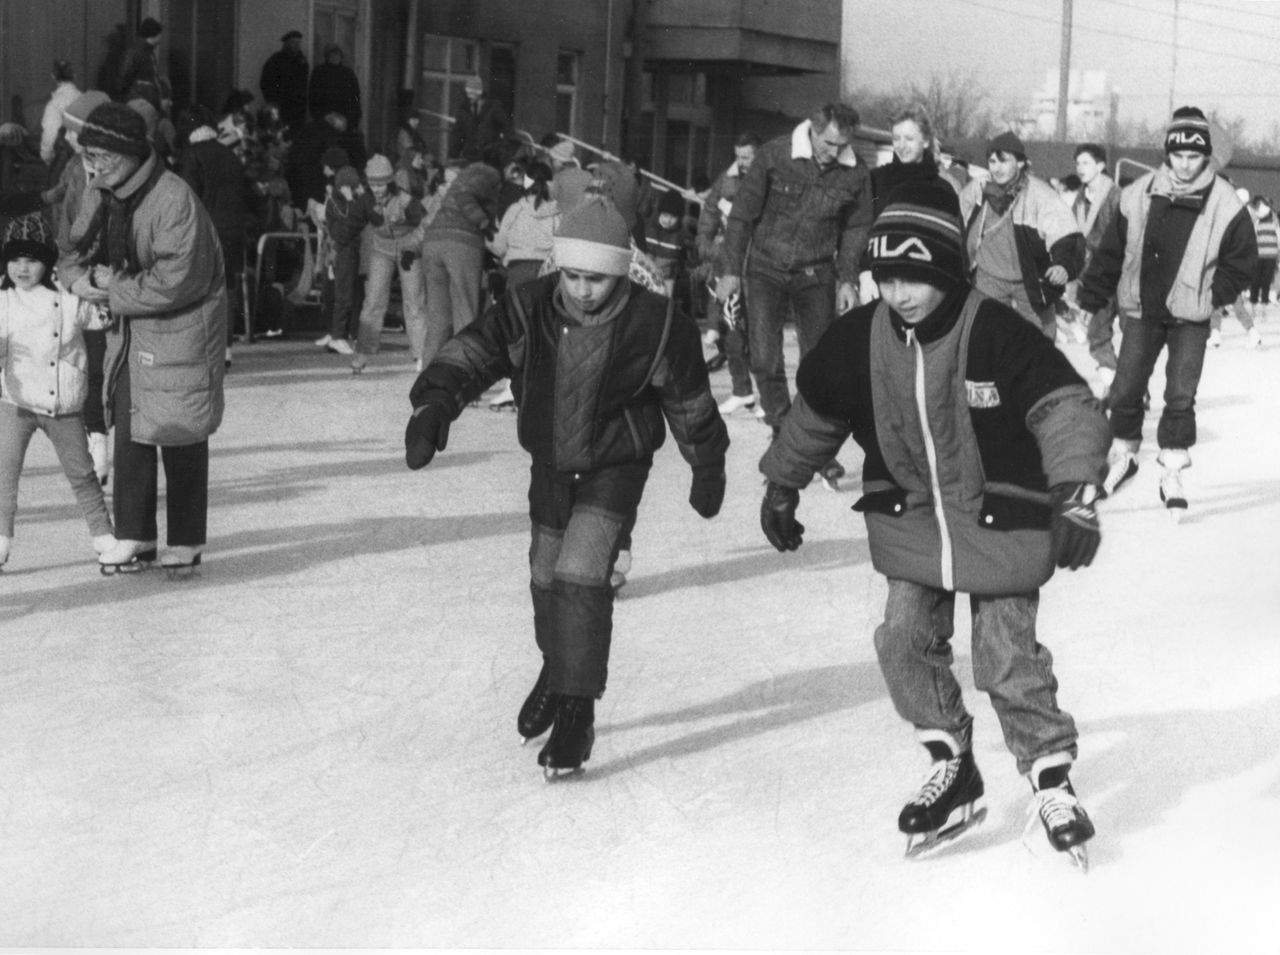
(918,235)
(593,238)
(28,235)
(118,129)
(1188,131)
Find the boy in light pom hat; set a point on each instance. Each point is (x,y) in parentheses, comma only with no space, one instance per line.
(599,367)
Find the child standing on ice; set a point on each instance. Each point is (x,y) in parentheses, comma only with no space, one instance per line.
(44,377)
(597,364)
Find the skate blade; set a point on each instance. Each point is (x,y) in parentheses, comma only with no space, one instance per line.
(922,844)
(831,484)
(133,567)
(1080,858)
(551,775)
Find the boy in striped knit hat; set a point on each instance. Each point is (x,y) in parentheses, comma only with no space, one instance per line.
(982,451)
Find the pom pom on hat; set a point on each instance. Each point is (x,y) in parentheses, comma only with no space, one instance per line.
(335,157)
(918,235)
(28,235)
(1007,143)
(378,169)
(118,129)
(73,116)
(593,238)
(1188,131)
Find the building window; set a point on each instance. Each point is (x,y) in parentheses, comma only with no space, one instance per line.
(447,62)
(567,69)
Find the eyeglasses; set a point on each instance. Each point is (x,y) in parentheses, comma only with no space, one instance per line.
(101,159)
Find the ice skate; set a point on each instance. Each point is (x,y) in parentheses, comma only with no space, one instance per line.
(946,805)
(127,557)
(736,403)
(339,346)
(831,474)
(539,709)
(1173,461)
(571,738)
(504,401)
(621,567)
(1122,464)
(98,452)
(1065,822)
(324,341)
(5,544)
(180,562)
(358,364)
(1253,339)
(1215,338)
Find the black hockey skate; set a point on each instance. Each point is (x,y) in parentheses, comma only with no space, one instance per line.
(946,805)
(571,738)
(1065,822)
(539,709)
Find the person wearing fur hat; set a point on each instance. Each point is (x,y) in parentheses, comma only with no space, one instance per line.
(151,255)
(394,216)
(1180,247)
(1023,243)
(582,338)
(982,451)
(44,376)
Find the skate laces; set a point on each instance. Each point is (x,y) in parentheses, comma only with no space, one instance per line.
(1056,807)
(940,776)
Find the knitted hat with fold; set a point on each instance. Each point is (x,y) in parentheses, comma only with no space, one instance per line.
(29,236)
(347,176)
(918,235)
(593,238)
(118,129)
(378,169)
(1188,131)
(73,116)
(1007,143)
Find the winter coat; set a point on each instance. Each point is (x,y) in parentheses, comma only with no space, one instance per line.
(284,82)
(589,396)
(525,232)
(335,89)
(394,220)
(63,96)
(795,214)
(344,220)
(467,210)
(715,214)
(217,178)
(477,129)
(140,75)
(1044,233)
(43,364)
(1094,214)
(170,307)
(965,420)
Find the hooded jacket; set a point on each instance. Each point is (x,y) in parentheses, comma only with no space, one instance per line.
(43,363)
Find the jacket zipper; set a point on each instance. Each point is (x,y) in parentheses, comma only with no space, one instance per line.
(931,452)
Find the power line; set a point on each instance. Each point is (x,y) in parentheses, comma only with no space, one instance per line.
(1186,19)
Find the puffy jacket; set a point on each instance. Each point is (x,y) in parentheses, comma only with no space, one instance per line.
(588,396)
(525,232)
(966,420)
(467,210)
(43,364)
(170,311)
(1044,233)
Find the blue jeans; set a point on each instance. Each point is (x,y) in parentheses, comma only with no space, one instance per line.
(453,271)
(377,294)
(1101,335)
(914,648)
(1143,341)
(807,296)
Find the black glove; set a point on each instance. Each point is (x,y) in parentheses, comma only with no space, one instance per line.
(707,492)
(406,259)
(427,433)
(1074,534)
(778,517)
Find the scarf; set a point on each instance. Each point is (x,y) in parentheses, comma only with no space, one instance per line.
(107,239)
(1180,193)
(999,197)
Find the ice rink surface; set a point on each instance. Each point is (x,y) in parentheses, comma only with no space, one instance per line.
(312,742)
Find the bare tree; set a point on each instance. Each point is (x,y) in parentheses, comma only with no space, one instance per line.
(958,103)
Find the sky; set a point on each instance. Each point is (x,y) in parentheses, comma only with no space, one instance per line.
(1227,51)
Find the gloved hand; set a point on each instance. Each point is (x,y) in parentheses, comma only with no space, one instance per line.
(406,259)
(426,433)
(778,517)
(1074,533)
(707,492)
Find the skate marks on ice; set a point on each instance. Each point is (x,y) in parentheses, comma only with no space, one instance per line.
(1205,501)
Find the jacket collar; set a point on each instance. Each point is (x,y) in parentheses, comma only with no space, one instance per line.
(937,323)
(138,179)
(802,147)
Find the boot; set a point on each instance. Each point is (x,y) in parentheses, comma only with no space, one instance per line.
(1065,822)
(946,804)
(539,709)
(1174,461)
(571,737)
(1122,464)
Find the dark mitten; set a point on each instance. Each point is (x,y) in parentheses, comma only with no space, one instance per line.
(1075,533)
(406,259)
(707,492)
(427,433)
(778,517)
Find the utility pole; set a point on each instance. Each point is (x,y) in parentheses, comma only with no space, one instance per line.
(1173,77)
(1064,71)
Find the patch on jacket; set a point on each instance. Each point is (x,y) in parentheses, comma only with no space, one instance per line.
(982,394)
(146,358)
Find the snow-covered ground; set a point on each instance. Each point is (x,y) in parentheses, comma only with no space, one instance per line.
(312,742)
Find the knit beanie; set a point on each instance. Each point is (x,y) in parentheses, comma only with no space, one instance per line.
(618,183)
(149,114)
(1007,142)
(473,85)
(335,157)
(346,176)
(918,235)
(593,238)
(562,151)
(378,169)
(28,235)
(73,116)
(1188,131)
(118,129)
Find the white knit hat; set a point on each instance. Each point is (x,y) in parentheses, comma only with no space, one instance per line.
(594,238)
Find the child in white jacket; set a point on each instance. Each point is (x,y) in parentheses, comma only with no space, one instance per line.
(43,376)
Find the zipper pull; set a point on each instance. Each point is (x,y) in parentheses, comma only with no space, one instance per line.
(911,337)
